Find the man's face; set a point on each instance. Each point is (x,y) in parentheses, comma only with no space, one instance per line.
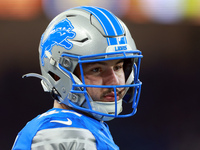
(103,73)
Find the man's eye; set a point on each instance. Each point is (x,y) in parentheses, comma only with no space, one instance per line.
(118,67)
(96,70)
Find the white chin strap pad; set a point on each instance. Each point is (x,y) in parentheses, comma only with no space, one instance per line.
(107,108)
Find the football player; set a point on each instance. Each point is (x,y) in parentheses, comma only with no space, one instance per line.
(90,65)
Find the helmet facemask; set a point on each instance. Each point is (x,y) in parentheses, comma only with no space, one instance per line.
(102,110)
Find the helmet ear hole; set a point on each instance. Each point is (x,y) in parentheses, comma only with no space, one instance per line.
(54,76)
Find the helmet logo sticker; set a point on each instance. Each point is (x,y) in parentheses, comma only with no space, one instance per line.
(120,48)
(58,36)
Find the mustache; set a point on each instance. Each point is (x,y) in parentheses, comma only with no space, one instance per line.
(119,92)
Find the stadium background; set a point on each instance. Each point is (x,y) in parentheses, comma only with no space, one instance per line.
(167,32)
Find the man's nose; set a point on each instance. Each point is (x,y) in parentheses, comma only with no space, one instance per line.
(111,78)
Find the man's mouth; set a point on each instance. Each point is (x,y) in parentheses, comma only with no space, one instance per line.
(110,97)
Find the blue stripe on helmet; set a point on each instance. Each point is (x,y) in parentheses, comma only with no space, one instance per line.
(106,25)
(108,21)
(116,24)
(116,40)
(112,41)
(122,40)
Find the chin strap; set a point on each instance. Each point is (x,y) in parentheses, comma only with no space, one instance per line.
(47,86)
(106,108)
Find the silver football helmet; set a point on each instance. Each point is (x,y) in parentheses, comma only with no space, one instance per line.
(83,35)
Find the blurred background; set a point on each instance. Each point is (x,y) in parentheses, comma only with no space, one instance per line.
(168,34)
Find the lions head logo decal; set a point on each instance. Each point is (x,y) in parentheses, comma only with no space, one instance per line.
(58,35)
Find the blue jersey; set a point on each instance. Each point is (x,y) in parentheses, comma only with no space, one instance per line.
(64,129)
